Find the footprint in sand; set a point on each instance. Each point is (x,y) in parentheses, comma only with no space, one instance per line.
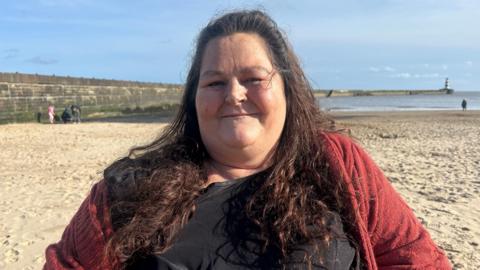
(11,255)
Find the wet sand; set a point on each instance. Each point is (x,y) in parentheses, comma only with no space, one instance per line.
(432,158)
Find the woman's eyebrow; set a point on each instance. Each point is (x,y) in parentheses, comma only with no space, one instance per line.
(254,68)
(212,72)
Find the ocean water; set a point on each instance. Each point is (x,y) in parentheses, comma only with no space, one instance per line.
(401,103)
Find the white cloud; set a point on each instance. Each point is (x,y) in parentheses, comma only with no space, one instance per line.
(389,69)
(404,75)
(431,75)
(407,75)
(435,66)
(469,63)
(42,61)
(381,69)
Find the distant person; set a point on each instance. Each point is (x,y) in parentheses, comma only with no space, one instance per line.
(39,117)
(76,113)
(464,105)
(51,113)
(67,115)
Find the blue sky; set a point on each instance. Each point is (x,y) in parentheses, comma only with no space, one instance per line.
(352,44)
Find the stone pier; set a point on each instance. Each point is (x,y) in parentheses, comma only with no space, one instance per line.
(22,96)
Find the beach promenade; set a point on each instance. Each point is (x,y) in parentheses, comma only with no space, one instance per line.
(432,158)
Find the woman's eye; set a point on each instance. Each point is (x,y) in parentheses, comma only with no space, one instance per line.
(254,81)
(257,83)
(216,84)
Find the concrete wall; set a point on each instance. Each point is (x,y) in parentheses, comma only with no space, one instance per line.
(20,101)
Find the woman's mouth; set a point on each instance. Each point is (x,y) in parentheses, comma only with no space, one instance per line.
(237,115)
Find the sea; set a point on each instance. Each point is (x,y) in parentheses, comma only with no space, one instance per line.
(401,103)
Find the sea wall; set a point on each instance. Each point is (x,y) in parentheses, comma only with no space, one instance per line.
(67,80)
(20,101)
(360,92)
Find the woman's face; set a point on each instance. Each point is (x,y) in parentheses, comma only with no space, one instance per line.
(240,100)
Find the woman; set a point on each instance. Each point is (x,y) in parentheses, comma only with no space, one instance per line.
(250,175)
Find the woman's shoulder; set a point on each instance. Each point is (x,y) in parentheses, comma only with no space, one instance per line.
(84,239)
(338,137)
(350,162)
(339,145)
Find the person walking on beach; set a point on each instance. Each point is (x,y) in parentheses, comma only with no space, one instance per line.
(464,105)
(76,113)
(51,113)
(251,174)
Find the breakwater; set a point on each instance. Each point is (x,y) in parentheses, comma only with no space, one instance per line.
(359,92)
(23,96)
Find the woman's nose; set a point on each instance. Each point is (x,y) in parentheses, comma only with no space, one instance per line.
(235,92)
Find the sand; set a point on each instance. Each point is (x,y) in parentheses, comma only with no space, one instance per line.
(432,158)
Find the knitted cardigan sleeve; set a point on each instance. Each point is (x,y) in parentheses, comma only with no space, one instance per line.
(83,241)
(390,234)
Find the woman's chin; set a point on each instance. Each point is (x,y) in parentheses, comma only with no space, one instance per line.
(239,140)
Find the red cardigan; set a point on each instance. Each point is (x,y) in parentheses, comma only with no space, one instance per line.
(390,236)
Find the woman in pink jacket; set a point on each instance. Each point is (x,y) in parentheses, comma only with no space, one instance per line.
(249,175)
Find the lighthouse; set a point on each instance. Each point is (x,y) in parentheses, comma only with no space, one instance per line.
(447,89)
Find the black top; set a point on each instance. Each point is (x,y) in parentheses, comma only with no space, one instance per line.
(219,236)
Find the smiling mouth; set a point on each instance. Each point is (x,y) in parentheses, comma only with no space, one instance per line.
(238,115)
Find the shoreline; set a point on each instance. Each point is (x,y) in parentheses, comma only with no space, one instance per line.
(404,113)
(384,92)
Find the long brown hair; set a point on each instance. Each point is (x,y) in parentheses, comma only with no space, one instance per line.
(152,192)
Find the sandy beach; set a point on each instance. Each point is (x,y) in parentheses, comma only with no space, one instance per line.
(432,158)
